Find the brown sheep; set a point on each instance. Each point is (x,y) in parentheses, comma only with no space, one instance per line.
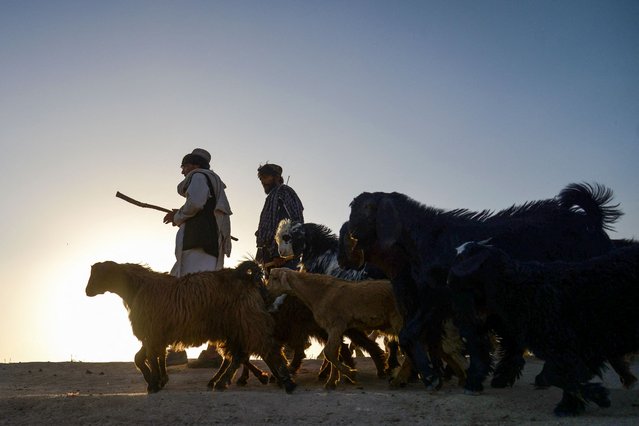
(224,306)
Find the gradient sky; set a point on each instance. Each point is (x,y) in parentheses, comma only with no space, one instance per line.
(475,104)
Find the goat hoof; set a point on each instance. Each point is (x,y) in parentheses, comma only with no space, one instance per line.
(561,410)
(350,378)
(628,382)
(499,384)
(153,389)
(597,393)
(395,383)
(433,383)
(330,386)
(290,386)
(241,382)
(220,387)
(541,382)
(264,378)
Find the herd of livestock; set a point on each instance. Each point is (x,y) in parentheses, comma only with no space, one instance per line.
(451,289)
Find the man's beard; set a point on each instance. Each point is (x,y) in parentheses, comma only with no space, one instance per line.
(268,188)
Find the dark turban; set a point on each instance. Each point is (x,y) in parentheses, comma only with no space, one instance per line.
(269,169)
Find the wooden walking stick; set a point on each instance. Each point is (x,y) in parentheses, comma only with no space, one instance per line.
(141,204)
(148,206)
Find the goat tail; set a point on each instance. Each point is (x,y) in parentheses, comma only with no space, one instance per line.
(594,201)
(251,268)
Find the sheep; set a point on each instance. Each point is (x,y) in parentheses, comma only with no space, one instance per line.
(224,306)
(574,315)
(415,246)
(338,305)
(316,246)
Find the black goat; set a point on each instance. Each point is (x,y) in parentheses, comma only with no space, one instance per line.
(574,315)
(415,246)
(317,248)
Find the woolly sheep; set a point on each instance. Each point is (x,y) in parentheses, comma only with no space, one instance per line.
(226,306)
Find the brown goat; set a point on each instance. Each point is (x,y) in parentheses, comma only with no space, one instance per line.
(223,306)
(338,305)
(295,325)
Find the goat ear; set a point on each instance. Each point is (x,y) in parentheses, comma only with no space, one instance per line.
(388,223)
(470,265)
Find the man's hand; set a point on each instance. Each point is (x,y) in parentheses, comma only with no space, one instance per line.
(169,217)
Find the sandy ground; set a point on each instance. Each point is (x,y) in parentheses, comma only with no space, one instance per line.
(115,393)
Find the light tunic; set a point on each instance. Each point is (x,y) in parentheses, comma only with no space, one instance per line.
(196,190)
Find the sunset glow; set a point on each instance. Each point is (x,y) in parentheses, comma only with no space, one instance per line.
(464,104)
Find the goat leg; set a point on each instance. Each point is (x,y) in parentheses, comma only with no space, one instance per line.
(237,359)
(141,364)
(392,350)
(622,368)
(250,367)
(377,354)
(276,362)
(226,362)
(331,352)
(154,356)
(409,341)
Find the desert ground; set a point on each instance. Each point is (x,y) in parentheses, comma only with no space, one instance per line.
(115,393)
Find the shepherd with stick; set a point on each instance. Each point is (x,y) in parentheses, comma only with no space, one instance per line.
(204,234)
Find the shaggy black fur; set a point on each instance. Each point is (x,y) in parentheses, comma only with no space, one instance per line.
(415,246)
(574,315)
(317,248)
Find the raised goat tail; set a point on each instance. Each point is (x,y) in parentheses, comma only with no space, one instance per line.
(594,201)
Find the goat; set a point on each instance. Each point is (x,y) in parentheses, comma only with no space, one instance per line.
(317,246)
(224,306)
(415,246)
(295,326)
(574,315)
(338,305)
(319,298)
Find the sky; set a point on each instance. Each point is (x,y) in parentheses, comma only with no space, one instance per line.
(458,104)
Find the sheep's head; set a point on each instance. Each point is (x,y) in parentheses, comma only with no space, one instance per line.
(105,276)
(277,280)
(374,219)
(250,271)
(290,238)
